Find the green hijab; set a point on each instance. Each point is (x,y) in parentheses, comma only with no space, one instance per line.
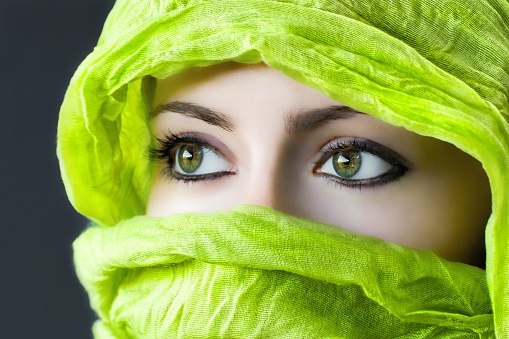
(437,68)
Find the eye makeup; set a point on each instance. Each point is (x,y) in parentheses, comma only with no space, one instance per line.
(347,152)
(355,147)
(170,147)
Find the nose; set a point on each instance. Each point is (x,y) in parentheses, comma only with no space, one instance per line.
(262,184)
(263,190)
(270,172)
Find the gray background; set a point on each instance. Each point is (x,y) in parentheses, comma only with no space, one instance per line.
(41,44)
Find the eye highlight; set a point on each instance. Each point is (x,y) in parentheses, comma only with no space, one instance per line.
(189,158)
(348,162)
(359,163)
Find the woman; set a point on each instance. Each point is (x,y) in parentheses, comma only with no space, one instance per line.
(375,81)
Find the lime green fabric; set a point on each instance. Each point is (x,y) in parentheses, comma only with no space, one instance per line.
(438,68)
(256,273)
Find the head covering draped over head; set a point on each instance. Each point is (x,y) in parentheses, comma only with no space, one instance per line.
(437,68)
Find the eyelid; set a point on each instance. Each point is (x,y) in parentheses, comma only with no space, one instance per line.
(361,144)
(200,139)
(399,165)
(213,144)
(165,153)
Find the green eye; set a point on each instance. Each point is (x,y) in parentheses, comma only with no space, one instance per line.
(347,163)
(189,158)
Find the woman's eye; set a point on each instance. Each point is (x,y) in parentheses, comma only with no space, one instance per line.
(360,163)
(355,165)
(196,160)
(189,157)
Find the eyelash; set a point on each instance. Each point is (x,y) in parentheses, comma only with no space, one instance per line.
(398,169)
(168,145)
(165,152)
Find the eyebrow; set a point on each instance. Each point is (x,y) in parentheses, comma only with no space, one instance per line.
(313,119)
(196,111)
(294,123)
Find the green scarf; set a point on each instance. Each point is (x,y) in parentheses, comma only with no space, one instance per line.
(438,68)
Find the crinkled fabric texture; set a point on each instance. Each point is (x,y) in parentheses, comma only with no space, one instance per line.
(256,273)
(438,68)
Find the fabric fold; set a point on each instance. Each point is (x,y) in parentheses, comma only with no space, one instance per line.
(223,274)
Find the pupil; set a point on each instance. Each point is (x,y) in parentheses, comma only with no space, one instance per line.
(343,161)
(189,158)
(347,163)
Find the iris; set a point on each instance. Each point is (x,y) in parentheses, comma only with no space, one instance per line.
(347,163)
(189,158)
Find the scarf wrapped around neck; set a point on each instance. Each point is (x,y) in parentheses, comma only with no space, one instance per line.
(437,68)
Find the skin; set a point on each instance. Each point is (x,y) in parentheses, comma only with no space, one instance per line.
(441,203)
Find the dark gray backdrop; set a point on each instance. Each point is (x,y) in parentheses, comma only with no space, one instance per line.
(41,44)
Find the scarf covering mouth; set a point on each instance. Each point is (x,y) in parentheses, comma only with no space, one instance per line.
(256,273)
(437,68)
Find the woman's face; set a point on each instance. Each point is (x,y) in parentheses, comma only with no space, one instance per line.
(232,134)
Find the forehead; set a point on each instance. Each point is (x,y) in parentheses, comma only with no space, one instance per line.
(232,87)
(237,97)
(254,100)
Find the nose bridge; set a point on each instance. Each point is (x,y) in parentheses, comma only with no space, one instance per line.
(262,191)
(263,183)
